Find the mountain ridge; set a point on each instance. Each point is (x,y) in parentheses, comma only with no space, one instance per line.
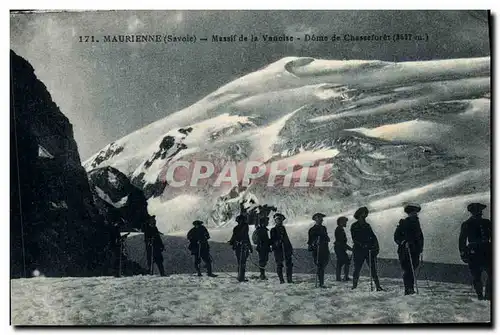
(380,128)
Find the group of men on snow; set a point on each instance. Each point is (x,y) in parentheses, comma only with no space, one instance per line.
(278,243)
(475,246)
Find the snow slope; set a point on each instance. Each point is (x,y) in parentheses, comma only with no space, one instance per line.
(271,88)
(388,132)
(189,300)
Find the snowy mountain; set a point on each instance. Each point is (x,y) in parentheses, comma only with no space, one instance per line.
(386,132)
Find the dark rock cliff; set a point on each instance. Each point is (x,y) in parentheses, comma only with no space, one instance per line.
(52,206)
(117,200)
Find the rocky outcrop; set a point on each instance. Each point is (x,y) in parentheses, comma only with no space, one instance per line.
(148,176)
(117,200)
(106,153)
(228,206)
(55,225)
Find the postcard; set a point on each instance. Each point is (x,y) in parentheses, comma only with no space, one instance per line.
(250,168)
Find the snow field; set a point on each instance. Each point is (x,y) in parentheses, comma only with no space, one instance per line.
(184,299)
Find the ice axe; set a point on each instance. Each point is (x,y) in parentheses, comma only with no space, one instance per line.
(370,266)
(317,263)
(120,260)
(151,269)
(412,268)
(240,261)
(122,238)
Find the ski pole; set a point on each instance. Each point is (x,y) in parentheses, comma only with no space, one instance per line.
(283,250)
(151,270)
(120,260)
(370,266)
(199,254)
(317,263)
(240,267)
(420,264)
(283,255)
(412,269)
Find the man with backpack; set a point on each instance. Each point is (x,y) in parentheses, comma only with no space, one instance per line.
(114,247)
(154,246)
(318,244)
(241,245)
(410,240)
(198,238)
(341,247)
(365,248)
(260,238)
(282,248)
(476,248)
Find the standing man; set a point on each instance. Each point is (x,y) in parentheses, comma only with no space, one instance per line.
(341,248)
(475,245)
(318,244)
(410,240)
(115,247)
(154,246)
(365,247)
(241,245)
(261,239)
(282,248)
(198,245)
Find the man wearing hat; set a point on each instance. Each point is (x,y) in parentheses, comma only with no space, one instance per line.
(263,244)
(365,247)
(410,240)
(475,245)
(282,248)
(241,245)
(341,248)
(318,244)
(114,246)
(198,238)
(154,245)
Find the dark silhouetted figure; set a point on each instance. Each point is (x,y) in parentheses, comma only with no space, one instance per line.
(262,242)
(251,215)
(475,245)
(282,248)
(198,245)
(122,254)
(154,246)
(365,247)
(115,247)
(410,240)
(318,244)
(241,245)
(341,248)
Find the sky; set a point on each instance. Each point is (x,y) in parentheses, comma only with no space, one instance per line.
(108,90)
